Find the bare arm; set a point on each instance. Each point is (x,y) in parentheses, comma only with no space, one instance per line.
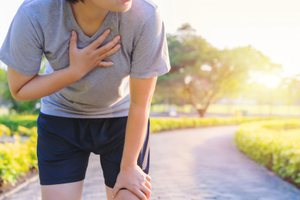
(82,61)
(24,87)
(141,92)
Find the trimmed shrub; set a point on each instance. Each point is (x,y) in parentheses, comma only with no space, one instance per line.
(274,144)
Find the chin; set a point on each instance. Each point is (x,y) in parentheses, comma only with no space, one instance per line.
(125,10)
(124,7)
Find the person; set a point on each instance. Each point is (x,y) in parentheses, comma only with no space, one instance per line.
(103,60)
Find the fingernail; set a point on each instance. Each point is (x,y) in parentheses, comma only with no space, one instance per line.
(108,31)
(73,33)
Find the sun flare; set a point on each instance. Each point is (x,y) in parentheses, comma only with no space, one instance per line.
(271,81)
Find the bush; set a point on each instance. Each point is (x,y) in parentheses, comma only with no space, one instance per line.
(4,130)
(16,159)
(13,122)
(162,124)
(274,144)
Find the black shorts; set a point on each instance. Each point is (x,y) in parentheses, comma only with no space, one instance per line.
(64,146)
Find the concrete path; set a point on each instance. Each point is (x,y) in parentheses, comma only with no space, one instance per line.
(192,164)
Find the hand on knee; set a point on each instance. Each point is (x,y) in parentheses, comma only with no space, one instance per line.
(126,195)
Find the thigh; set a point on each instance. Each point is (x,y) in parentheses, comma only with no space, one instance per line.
(110,161)
(59,160)
(62,191)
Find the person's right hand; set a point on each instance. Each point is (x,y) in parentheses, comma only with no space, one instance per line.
(82,61)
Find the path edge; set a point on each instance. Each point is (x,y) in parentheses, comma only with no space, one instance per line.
(19,187)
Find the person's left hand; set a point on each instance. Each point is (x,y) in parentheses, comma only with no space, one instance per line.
(134,179)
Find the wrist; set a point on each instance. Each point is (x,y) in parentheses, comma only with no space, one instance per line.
(125,166)
(72,74)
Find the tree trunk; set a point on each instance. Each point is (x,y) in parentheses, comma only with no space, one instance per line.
(201,112)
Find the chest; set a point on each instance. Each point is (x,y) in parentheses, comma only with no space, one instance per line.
(56,50)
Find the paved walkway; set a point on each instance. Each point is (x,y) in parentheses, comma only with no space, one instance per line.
(193,164)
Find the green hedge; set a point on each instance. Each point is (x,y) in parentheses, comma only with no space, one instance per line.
(163,124)
(4,130)
(13,121)
(274,144)
(17,158)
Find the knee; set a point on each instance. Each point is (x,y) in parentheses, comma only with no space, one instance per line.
(126,195)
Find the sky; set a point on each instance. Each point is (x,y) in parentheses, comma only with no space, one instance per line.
(271,26)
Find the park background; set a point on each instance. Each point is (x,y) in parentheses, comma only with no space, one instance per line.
(232,62)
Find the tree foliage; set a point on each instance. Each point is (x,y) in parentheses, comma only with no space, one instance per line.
(202,74)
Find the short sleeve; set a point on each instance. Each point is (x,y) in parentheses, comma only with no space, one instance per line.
(22,49)
(150,55)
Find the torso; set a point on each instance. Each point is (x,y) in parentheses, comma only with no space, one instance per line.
(103,91)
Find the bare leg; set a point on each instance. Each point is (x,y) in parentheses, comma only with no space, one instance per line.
(65,191)
(122,195)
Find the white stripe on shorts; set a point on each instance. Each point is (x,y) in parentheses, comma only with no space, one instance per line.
(144,165)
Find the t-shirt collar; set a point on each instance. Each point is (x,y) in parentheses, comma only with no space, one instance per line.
(74,25)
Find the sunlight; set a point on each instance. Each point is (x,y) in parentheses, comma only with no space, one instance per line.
(225,25)
(271,81)
(292,70)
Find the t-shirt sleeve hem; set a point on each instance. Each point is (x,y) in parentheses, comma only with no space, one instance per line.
(150,74)
(8,63)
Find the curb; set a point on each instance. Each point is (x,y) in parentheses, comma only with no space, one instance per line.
(19,187)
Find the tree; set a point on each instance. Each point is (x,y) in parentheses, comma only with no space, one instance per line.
(290,86)
(206,73)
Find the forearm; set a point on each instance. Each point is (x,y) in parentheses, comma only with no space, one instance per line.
(136,129)
(46,84)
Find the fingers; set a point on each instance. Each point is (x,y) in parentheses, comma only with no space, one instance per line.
(148,184)
(140,194)
(105,64)
(148,177)
(147,190)
(99,40)
(73,41)
(109,46)
(107,54)
(110,52)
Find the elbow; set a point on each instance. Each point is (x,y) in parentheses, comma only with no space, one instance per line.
(20,95)
(17,97)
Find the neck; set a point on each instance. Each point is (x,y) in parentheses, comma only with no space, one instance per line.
(88,12)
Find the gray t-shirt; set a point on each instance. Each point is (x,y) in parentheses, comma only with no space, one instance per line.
(44,27)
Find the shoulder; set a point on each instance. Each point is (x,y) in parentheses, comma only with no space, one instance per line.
(143,8)
(38,9)
(33,16)
(142,11)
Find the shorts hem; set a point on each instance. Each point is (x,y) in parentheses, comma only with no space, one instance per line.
(53,182)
